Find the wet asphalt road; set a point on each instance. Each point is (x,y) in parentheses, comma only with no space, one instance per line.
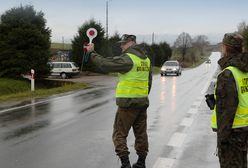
(75,130)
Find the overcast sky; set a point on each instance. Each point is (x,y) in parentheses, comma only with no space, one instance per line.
(140,17)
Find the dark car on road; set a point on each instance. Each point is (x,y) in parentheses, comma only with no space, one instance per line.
(208,61)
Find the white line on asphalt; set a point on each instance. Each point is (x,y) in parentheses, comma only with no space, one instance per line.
(45,101)
(187,122)
(205,87)
(200,98)
(164,163)
(197,103)
(177,139)
(192,111)
(20,107)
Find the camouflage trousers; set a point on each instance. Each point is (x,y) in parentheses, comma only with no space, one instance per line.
(233,153)
(126,119)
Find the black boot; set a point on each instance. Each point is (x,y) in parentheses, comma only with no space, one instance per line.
(125,163)
(141,162)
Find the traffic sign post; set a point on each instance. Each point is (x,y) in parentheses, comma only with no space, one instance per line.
(91,34)
(32,80)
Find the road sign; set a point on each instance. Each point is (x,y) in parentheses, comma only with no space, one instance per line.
(91,33)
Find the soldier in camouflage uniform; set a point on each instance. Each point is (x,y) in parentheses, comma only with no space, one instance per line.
(230,124)
(132,91)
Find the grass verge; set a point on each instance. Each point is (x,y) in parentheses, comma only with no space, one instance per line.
(39,93)
(156,70)
(8,86)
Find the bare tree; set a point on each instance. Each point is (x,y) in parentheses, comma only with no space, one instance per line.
(200,42)
(183,43)
(242,27)
(243,30)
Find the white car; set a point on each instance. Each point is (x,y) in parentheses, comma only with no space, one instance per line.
(171,67)
(63,69)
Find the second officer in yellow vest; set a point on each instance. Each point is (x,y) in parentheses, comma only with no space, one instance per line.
(135,79)
(230,115)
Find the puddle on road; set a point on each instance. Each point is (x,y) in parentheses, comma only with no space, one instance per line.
(92,95)
(24,115)
(25,130)
(94,106)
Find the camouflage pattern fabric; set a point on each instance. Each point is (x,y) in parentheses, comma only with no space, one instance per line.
(124,120)
(233,39)
(126,38)
(233,153)
(231,143)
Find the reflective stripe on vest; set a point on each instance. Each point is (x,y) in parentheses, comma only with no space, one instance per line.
(241,116)
(135,82)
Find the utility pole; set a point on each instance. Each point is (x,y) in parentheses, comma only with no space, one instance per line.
(153,57)
(153,37)
(107,19)
(63,43)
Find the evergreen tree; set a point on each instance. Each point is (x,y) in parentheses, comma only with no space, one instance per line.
(166,53)
(24,42)
(81,38)
(156,53)
(115,47)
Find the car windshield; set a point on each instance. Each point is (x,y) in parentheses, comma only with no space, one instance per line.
(74,64)
(171,63)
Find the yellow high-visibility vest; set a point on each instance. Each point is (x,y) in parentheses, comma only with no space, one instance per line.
(241,116)
(134,84)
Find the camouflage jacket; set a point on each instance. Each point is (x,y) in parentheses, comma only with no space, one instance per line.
(123,64)
(227,96)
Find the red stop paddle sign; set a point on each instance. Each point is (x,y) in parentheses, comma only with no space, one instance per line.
(91,33)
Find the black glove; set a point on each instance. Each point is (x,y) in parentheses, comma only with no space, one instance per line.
(210,101)
(87,53)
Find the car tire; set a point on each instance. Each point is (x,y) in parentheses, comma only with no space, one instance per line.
(63,75)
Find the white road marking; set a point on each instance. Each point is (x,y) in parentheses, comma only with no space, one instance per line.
(20,107)
(44,101)
(164,163)
(205,88)
(187,122)
(177,139)
(197,103)
(192,111)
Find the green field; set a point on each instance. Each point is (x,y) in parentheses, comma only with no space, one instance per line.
(61,46)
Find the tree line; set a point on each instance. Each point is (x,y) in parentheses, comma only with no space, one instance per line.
(158,53)
(25,42)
